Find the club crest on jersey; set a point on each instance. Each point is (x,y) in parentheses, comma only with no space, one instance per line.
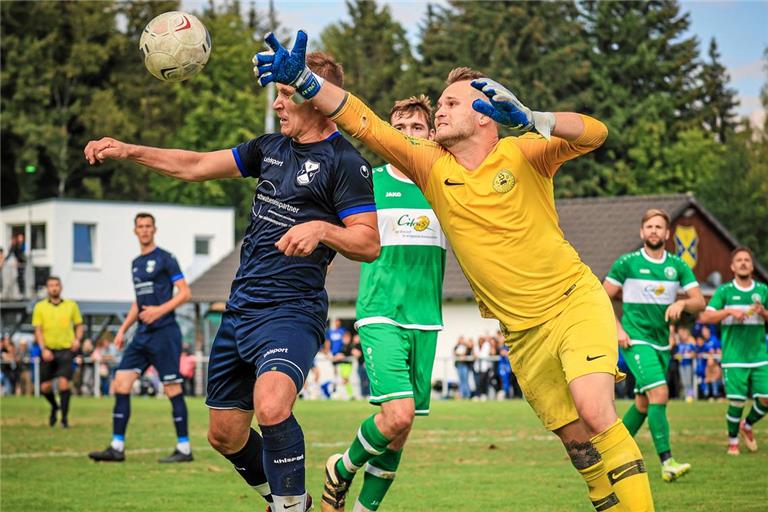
(364,172)
(670,273)
(504,181)
(756,299)
(307,172)
(150,266)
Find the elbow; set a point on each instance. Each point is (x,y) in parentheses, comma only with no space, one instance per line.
(372,253)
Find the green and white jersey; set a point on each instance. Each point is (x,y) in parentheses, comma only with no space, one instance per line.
(743,342)
(649,286)
(404,286)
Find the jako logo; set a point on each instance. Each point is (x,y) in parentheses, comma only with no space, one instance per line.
(288,459)
(394,194)
(275,350)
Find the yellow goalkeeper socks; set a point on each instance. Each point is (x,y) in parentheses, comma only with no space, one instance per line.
(625,468)
(600,491)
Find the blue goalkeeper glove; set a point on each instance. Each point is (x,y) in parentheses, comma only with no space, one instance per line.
(284,67)
(506,109)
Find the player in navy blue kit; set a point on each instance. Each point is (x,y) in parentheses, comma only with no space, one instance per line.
(314,198)
(157,341)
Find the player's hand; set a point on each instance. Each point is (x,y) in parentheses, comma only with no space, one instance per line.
(758,308)
(96,151)
(301,240)
(287,67)
(75,345)
(150,314)
(737,314)
(506,109)
(623,338)
(47,355)
(119,340)
(674,311)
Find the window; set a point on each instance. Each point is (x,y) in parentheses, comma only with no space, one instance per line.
(38,236)
(202,245)
(83,241)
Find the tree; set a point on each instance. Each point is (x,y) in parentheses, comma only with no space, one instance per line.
(718,101)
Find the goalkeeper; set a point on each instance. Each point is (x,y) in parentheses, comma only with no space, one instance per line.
(494,199)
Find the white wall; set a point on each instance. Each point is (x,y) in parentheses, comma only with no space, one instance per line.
(115,245)
(459,319)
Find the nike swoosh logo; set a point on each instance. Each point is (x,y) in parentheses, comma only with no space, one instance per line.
(590,358)
(630,468)
(452,183)
(289,506)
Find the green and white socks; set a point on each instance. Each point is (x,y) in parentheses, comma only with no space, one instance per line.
(368,443)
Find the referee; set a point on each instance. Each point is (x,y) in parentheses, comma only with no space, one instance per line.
(58,331)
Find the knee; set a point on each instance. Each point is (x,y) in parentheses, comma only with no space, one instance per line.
(763,401)
(172,390)
(222,440)
(399,420)
(659,395)
(271,412)
(736,403)
(597,417)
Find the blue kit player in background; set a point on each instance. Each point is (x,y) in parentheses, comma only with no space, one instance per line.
(314,198)
(157,341)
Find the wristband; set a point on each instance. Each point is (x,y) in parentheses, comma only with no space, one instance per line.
(308,84)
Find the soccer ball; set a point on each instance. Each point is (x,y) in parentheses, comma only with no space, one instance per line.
(175,46)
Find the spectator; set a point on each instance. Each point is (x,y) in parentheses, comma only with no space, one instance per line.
(686,356)
(484,366)
(105,359)
(341,361)
(23,359)
(187,367)
(464,357)
(357,351)
(713,373)
(17,250)
(322,373)
(504,370)
(336,336)
(2,266)
(8,366)
(88,372)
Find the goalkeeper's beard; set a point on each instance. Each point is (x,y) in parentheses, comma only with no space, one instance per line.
(459,133)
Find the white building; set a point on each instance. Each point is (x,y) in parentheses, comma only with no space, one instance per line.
(90,244)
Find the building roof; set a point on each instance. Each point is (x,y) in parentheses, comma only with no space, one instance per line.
(111,202)
(596,227)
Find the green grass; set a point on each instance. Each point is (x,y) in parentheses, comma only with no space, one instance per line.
(466,456)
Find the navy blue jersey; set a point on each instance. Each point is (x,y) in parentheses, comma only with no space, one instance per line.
(325,181)
(153,276)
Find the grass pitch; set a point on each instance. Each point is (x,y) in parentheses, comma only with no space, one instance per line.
(466,456)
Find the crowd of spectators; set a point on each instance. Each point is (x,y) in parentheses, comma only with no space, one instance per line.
(483,369)
(94,369)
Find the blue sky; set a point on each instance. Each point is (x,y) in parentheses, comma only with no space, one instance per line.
(740,28)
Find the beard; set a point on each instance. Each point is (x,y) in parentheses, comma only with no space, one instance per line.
(743,274)
(459,133)
(654,246)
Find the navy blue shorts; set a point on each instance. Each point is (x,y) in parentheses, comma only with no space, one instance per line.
(160,348)
(282,338)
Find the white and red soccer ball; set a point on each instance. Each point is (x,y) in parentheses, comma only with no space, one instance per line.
(175,46)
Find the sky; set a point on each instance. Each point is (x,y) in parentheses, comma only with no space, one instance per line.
(740,28)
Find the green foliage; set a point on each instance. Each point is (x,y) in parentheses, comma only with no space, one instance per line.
(77,76)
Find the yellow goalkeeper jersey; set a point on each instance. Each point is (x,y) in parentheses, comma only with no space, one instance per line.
(500,218)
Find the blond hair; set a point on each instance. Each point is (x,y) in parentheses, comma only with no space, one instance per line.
(656,212)
(462,74)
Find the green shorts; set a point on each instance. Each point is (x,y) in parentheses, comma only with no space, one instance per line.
(648,365)
(741,382)
(399,363)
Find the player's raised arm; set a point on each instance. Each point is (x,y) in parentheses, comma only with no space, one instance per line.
(413,156)
(175,163)
(566,135)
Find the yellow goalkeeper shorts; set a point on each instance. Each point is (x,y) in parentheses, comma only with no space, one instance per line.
(582,339)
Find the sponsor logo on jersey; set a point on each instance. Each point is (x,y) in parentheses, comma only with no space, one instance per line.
(276,350)
(420,223)
(307,172)
(150,266)
(670,273)
(273,161)
(645,271)
(687,244)
(394,194)
(657,290)
(504,181)
(364,172)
